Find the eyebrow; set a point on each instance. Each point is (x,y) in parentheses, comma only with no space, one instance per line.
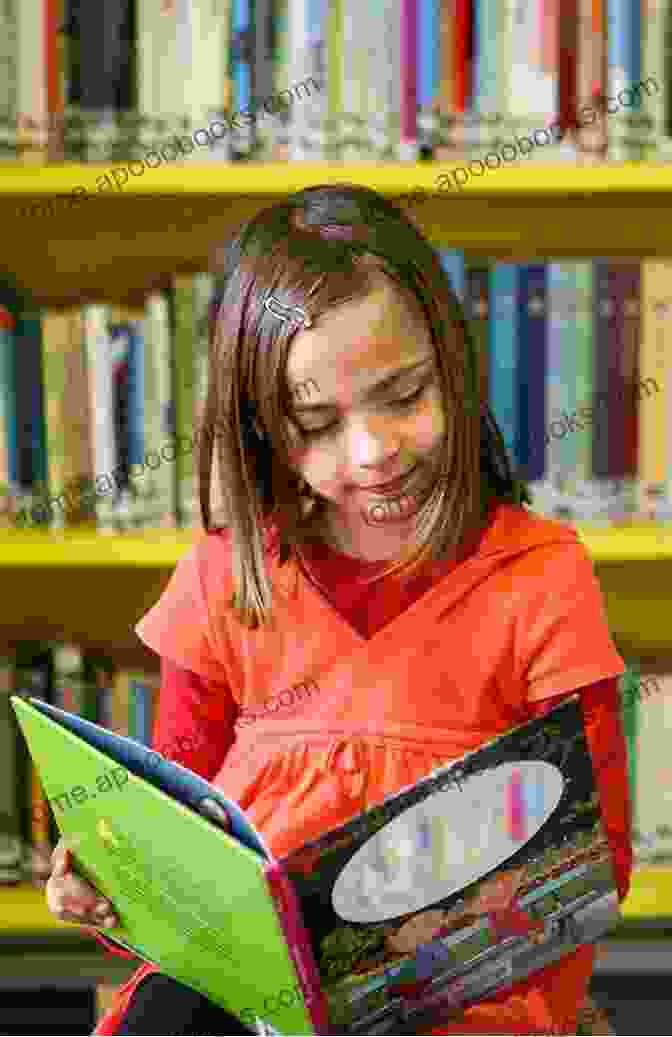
(374,390)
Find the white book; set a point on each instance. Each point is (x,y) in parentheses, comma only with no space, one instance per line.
(182,53)
(8,78)
(202,49)
(353,85)
(653,776)
(300,143)
(391,82)
(156,488)
(378,88)
(98,350)
(31,90)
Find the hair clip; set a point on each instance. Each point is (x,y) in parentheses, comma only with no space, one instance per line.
(287,311)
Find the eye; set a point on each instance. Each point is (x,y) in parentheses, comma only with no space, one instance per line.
(407,401)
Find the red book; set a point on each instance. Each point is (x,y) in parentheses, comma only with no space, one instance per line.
(463,53)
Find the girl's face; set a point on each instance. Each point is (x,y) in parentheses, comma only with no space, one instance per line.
(366,409)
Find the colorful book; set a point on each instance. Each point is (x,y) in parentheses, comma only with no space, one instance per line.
(156,488)
(7,415)
(652,799)
(98,350)
(383,925)
(31,81)
(560,391)
(591,66)
(242,59)
(583,351)
(655,389)
(624,64)
(429,74)
(408,71)
(529,449)
(68,424)
(477,303)
(503,347)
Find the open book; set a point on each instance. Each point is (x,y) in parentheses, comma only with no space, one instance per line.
(483,872)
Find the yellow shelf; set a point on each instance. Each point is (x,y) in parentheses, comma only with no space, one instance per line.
(35,549)
(119,244)
(274,178)
(159,548)
(24,908)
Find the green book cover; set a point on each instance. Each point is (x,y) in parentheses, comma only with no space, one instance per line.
(481,873)
(128,838)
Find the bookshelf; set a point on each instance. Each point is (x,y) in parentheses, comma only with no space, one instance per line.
(118,246)
(171,218)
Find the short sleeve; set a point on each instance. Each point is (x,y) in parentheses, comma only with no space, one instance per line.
(177,628)
(562,638)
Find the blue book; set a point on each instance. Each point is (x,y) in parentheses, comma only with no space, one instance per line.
(8,391)
(31,466)
(503,352)
(562,369)
(452,261)
(624,43)
(136,393)
(428,70)
(531,371)
(242,48)
(141,706)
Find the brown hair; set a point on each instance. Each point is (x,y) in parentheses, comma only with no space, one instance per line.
(317,249)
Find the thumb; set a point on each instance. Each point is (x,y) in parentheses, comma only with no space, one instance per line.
(62,861)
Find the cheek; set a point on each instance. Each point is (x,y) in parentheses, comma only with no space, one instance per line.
(429,425)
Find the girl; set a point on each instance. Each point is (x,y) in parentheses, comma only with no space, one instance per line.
(424,627)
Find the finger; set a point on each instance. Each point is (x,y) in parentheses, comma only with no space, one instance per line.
(61,861)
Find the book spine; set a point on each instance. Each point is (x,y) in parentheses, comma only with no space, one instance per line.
(631,284)
(120,702)
(531,371)
(655,454)
(652,799)
(7,416)
(8,80)
(242,50)
(624,60)
(184,324)
(158,490)
(567,21)
(32,116)
(429,72)
(654,13)
(446,97)
(502,350)
(408,144)
(603,305)
(477,299)
(452,261)
(298,943)
(392,81)
(101,406)
(487,89)
(590,86)
(54,15)
(584,379)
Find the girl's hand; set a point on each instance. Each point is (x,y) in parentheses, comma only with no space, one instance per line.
(71,898)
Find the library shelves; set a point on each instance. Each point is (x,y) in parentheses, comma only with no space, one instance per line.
(119,244)
(173,217)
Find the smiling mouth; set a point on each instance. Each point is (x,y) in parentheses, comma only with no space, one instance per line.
(388,487)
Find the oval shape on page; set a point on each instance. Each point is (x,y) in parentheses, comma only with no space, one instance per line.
(454,837)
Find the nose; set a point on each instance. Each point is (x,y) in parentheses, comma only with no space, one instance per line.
(372,442)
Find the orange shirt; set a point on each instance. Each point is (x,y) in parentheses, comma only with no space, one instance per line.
(328,721)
